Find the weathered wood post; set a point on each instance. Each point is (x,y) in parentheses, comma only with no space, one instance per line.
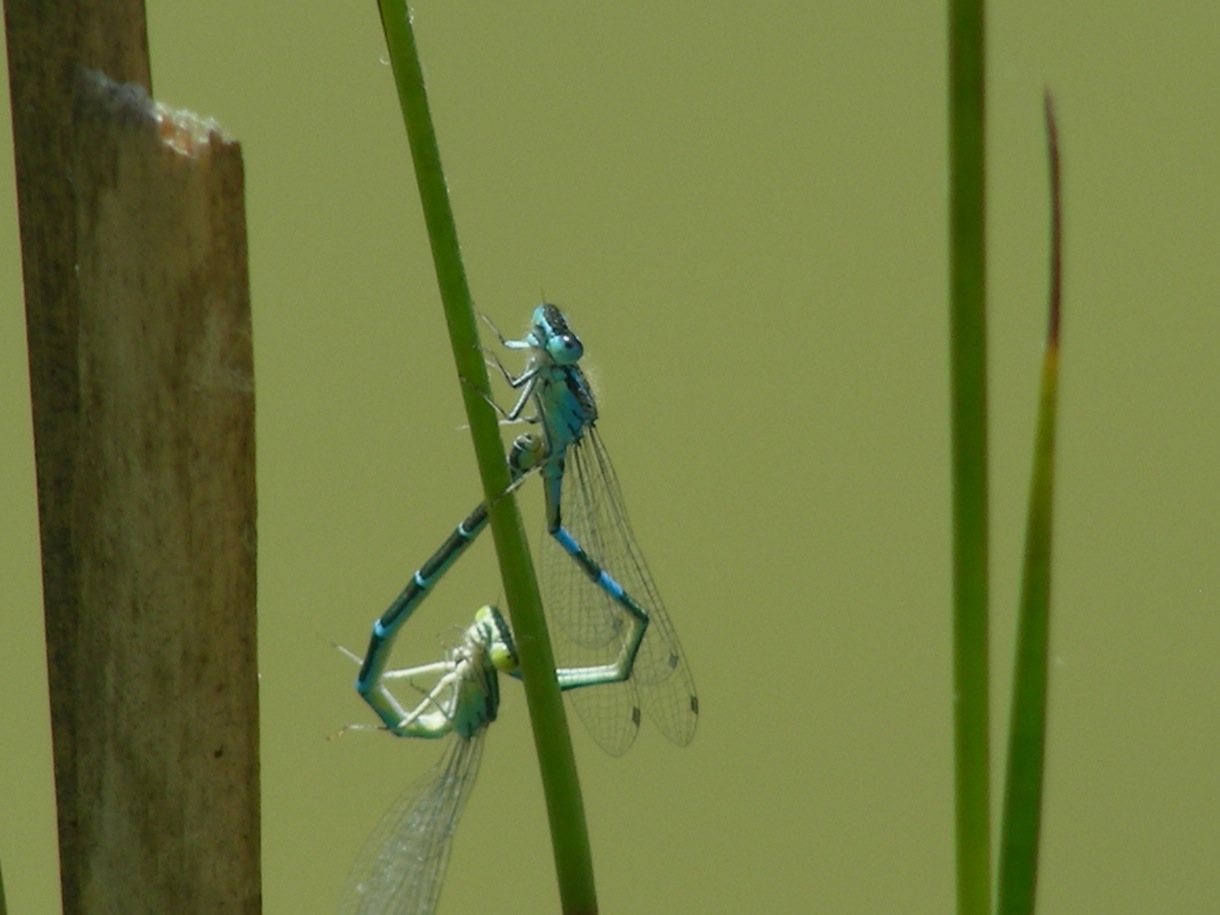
(138,317)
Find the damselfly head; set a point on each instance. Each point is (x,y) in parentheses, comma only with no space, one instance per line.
(556,338)
(498,639)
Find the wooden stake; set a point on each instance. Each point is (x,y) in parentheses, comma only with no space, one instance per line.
(137,302)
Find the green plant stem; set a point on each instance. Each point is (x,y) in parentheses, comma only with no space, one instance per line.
(1022,820)
(569,835)
(968,369)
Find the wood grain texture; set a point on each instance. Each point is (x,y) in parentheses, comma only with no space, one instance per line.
(164,716)
(138,321)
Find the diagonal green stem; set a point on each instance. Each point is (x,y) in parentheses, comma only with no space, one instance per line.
(569,836)
(1022,821)
(968,370)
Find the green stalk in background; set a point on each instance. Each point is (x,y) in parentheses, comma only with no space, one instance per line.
(569,835)
(968,371)
(1022,820)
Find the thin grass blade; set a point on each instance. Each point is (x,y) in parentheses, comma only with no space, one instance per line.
(565,807)
(1022,817)
(968,371)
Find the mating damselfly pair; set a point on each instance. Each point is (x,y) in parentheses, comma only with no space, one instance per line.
(596,586)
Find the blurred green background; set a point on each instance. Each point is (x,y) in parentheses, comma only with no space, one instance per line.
(742,207)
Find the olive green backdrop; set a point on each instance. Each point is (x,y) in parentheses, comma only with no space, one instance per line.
(743,209)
